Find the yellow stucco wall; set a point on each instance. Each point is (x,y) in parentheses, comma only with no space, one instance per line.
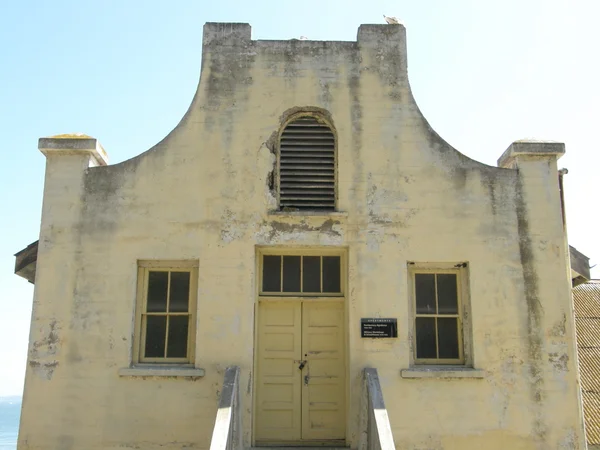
(203,193)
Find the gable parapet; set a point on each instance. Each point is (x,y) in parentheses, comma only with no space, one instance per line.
(388,45)
(226,33)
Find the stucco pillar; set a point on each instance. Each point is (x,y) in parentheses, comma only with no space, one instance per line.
(549,330)
(67,158)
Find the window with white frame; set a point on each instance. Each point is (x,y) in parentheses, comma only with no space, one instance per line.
(438,305)
(165,323)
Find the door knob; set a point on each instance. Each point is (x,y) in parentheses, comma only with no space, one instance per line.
(302,364)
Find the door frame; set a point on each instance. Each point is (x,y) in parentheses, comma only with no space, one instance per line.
(306,250)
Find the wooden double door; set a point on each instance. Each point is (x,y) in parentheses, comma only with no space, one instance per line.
(301,370)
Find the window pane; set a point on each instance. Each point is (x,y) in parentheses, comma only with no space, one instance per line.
(157,291)
(271,273)
(331,274)
(447,293)
(156,328)
(291,274)
(425,292)
(178,336)
(425,328)
(180,291)
(448,337)
(311,274)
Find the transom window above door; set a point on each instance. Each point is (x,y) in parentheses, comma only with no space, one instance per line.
(301,275)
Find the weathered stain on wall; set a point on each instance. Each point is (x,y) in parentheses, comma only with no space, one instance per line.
(208,192)
(534,323)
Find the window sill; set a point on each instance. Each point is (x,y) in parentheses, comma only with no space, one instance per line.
(161,371)
(308,213)
(442,372)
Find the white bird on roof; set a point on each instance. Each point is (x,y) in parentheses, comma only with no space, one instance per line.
(391,20)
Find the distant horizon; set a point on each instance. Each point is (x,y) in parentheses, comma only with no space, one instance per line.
(11,393)
(7,395)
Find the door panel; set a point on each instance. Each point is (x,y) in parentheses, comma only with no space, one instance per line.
(279,381)
(296,404)
(323,378)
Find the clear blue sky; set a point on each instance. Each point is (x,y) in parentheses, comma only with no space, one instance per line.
(484,73)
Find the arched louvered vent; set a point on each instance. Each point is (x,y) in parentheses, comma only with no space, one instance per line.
(307,166)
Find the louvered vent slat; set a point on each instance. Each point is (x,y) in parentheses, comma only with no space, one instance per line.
(307,166)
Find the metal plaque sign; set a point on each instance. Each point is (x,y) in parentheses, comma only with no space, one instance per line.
(379,328)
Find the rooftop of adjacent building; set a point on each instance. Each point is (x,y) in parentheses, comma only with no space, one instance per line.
(586,301)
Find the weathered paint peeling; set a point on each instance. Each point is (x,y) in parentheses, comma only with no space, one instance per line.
(326,227)
(559,361)
(43,369)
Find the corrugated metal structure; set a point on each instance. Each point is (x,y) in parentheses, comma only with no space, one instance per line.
(586,299)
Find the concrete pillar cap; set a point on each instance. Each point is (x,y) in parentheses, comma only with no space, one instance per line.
(529,147)
(74,144)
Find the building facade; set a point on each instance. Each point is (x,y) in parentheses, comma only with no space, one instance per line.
(303,222)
